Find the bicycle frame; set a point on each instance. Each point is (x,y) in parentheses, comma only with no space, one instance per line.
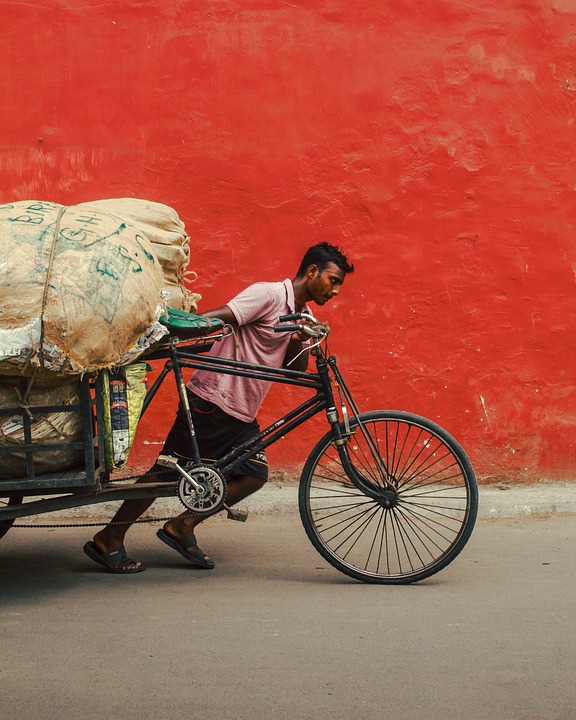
(320,381)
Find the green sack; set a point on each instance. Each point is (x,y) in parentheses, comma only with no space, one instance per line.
(123,393)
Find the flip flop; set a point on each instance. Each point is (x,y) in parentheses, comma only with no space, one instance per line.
(115,561)
(196,557)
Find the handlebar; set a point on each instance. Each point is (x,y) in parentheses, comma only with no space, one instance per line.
(288,328)
(314,329)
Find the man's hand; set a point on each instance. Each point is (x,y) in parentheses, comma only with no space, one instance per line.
(311,331)
(297,354)
(301,335)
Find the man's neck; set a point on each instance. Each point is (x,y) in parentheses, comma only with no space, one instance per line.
(301,296)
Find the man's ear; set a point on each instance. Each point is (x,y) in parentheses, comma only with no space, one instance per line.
(312,271)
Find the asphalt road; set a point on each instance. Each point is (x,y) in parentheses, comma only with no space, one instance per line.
(274,632)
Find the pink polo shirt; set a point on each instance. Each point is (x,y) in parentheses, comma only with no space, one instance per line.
(257,309)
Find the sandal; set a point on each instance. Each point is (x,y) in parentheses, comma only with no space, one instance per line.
(196,557)
(115,562)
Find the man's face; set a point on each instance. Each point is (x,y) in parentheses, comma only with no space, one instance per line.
(325,284)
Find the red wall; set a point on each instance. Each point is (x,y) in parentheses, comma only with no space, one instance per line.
(434,142)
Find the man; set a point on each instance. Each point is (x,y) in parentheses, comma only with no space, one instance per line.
(224,407)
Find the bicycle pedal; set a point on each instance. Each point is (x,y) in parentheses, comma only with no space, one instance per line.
(239,515)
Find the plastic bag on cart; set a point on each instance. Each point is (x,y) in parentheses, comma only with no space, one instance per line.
(123,393)
(60,425)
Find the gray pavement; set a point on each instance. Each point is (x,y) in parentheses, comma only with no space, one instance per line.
(274,632)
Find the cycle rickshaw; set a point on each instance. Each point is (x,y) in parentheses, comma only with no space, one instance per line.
(385,496)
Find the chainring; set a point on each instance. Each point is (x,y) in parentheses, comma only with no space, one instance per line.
(214,490)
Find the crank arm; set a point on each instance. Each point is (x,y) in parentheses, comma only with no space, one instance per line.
(170,462)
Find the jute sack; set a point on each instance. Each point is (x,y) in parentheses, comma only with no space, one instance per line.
(165,230)
(80,289)
(47,428)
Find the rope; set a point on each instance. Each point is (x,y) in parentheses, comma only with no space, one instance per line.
(23,403)
(47,282)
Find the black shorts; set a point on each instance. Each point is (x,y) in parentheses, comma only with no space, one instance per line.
(217,433)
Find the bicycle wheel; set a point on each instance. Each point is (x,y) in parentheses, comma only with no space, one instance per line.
(5,525)
(416,507)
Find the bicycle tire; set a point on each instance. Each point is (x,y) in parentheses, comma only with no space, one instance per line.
(416,509)
(5,525)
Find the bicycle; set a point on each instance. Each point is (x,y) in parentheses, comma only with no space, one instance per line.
(385,496)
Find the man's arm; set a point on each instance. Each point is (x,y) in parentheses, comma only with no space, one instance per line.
(294,348)
(222,313)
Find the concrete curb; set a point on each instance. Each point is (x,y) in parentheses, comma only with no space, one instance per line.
(493,501)
(282,499)
(512,501)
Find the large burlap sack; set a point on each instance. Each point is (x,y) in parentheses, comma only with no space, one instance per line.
(80,289)
(167,234)
(47,428)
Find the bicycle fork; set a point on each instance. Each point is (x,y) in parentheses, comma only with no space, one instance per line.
(343,435)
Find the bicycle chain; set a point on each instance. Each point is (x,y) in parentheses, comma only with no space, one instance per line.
(99,524)
(96,524)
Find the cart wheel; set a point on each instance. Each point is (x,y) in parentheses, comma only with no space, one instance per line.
(5,525)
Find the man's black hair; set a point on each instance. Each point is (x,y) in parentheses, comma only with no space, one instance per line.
(322,254)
